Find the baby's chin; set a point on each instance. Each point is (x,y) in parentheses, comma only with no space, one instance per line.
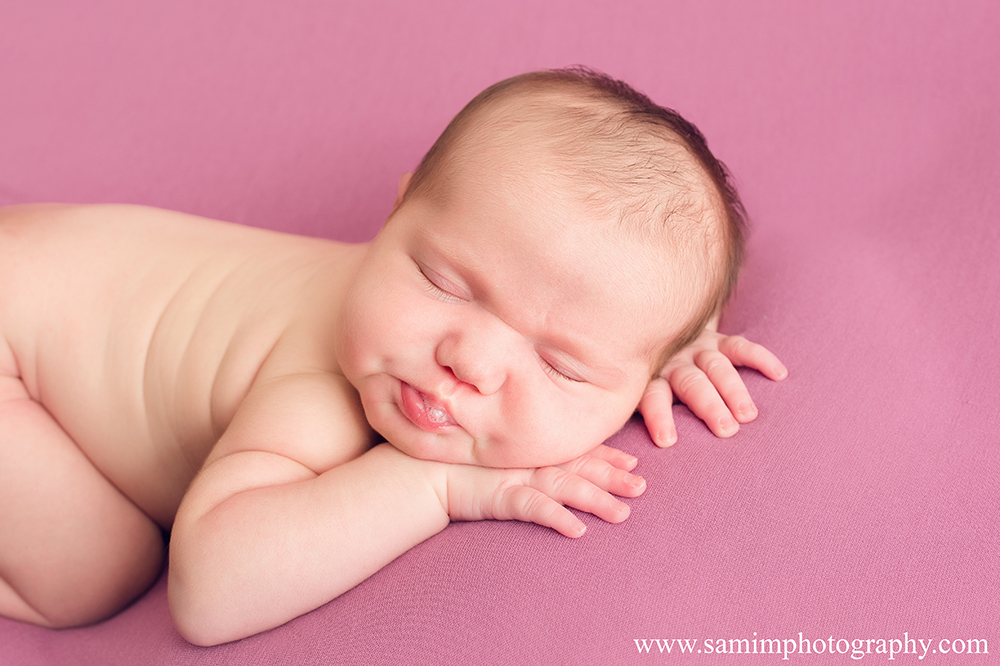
(457,447)
(509,457)
(454,449)
(443,447)
(494,459)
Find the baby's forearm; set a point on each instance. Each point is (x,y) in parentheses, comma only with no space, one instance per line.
(267,555)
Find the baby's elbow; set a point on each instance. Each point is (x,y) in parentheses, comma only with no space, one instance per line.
(193,619)
(197,614)
(196,594)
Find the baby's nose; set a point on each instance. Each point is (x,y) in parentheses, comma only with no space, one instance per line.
(474,358)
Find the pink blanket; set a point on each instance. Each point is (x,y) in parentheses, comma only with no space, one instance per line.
(857,515)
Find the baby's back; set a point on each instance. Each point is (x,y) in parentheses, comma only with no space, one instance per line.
(141,330)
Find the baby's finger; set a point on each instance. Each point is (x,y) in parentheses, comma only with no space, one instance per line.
(607,477)
(752,355)
(575,491)
(656,408)
(728,383)
(695,390)
(532,506)
(613,456)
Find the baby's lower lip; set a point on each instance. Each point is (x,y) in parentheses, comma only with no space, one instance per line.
(424,412)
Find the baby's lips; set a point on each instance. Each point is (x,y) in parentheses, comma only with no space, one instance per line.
(424,411)
(437,411)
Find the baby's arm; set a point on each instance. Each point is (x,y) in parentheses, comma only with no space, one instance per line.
(275,525)
(703,376)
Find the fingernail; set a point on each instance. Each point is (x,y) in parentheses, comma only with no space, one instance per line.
(727,425)
(665,440)
(635,481)
(746,408)
(780,372)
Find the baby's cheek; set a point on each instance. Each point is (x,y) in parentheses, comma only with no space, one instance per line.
(559,442)
(540,425)
(594,425)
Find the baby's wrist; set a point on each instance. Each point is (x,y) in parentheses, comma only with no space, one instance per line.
(433,475)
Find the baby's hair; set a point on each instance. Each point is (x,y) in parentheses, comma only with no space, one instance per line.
(634,151)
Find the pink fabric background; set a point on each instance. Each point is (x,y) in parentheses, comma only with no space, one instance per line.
(865,137)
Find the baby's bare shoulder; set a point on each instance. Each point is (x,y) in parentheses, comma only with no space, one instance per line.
(105,238)
(169,314)
(115,227)
(34,222)
(148,246)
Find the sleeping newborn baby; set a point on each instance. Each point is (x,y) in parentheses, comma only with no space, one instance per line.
(297,412)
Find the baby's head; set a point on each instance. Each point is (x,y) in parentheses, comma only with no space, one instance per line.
(558,243)
(639,168)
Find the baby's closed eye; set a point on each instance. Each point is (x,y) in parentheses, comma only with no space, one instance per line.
(440,285)
(558,371)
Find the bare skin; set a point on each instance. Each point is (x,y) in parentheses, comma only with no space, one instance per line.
(130,336)
(218,339)
(139,346)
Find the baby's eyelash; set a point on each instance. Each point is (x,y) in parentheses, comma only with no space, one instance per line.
(435,289)
(551,371)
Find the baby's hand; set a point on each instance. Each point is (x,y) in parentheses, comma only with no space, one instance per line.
(703,376)
(541,495)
